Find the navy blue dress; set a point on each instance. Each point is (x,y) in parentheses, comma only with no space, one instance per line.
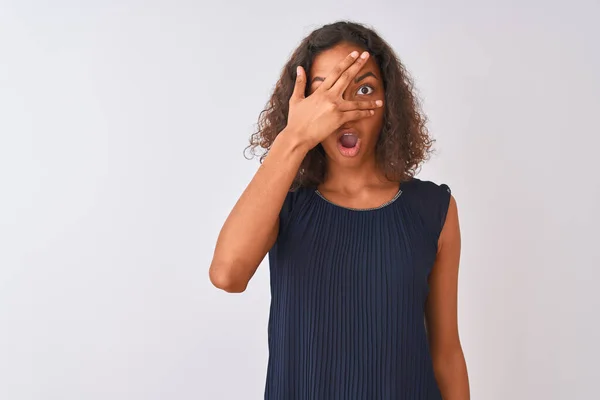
(348,289)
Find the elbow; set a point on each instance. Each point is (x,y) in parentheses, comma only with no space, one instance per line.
(222,278)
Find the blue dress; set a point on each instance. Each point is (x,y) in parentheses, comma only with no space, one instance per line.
(348,289)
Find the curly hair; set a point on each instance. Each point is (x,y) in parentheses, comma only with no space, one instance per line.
(404,141)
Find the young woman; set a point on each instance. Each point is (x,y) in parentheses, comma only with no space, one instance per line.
(363,256)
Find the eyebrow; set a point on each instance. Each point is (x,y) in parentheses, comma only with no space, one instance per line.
(356,80)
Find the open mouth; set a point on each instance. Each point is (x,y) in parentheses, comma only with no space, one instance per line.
(348,140)
(348,143)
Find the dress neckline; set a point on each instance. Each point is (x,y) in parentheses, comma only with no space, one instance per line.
(387,203)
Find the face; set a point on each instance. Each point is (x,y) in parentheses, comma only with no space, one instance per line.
(366,85)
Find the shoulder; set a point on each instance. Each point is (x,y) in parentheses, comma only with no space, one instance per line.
(294,201)
(432,200)
(426,188)
(426,193)
(295,197)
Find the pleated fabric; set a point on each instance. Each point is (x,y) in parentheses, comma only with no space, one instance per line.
(348,289)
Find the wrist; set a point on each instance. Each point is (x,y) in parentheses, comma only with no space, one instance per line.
(293,141)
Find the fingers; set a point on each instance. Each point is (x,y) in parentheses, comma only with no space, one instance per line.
(346,77)
(300,85)
(338,70)
(356,115)
(360,105)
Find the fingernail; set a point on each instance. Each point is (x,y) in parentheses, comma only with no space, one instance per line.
(364,55)
(354,54)
(379,103)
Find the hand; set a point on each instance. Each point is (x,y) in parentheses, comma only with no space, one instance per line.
(319,115)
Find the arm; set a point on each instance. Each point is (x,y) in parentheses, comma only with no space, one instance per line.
(441,313)
(252,226)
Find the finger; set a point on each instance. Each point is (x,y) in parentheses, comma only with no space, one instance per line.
(300,85)
(360,105)
(338,70)
(356,115)
(346,77)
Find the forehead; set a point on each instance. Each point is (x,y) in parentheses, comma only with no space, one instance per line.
(329,59)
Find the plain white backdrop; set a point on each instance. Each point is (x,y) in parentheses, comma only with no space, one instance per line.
(122,129)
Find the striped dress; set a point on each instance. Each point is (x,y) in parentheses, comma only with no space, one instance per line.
(348,290)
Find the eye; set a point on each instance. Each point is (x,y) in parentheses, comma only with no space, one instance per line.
(365,90)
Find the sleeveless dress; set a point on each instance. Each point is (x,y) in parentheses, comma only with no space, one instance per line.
(348,289)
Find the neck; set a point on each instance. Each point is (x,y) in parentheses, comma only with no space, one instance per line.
(351,179)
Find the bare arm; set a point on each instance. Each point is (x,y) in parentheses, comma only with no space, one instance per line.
(441,313)
(252,226)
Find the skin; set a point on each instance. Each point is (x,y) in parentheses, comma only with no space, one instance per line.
(441,314)
(356,182)
(252,226)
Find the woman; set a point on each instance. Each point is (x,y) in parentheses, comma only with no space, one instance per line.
(363,256)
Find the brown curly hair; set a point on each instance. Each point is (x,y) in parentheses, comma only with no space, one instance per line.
(404,142)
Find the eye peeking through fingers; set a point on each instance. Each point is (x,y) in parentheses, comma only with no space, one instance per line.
(365,90)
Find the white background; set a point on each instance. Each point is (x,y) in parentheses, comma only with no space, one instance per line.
(122,129)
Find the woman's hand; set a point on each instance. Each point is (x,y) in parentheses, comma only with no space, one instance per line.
(321,113)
